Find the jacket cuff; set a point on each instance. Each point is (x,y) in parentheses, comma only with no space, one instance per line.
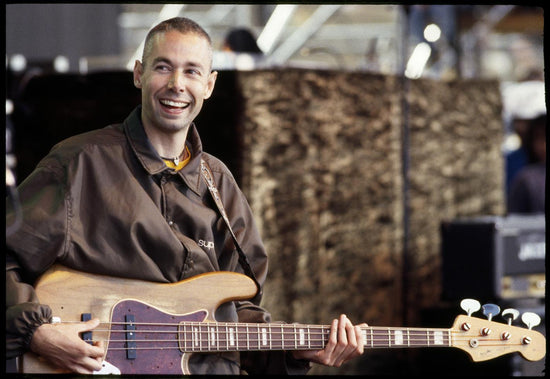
(296,366)
(21,322)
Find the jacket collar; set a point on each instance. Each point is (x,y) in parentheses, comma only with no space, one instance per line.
(151,160)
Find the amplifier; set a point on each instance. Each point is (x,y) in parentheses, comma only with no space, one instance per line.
(494,257)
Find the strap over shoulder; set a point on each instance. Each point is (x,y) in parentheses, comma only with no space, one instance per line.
(243,260)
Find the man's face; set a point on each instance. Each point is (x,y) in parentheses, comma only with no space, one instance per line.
(175,79)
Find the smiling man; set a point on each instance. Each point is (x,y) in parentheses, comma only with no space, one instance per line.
(129,201)
(175,77)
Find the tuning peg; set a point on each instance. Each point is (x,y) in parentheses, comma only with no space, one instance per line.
(490,310)
(470,306)
(530,319)
(510,314)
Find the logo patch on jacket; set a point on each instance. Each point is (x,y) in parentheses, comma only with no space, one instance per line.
(207,244)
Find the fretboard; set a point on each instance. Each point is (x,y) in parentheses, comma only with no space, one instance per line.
(203,337)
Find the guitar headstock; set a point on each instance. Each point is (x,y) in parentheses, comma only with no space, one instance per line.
(487,339)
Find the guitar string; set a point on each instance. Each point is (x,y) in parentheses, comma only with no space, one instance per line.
(297,329)
(313,338)
(378,335)
(325,328)
(221,345)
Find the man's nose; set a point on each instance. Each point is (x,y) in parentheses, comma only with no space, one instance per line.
(177,81)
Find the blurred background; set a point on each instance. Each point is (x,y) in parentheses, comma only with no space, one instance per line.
(409,124)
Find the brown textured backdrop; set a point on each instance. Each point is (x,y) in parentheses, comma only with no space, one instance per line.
(322,164)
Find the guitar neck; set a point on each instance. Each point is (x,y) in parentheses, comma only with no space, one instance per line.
(208,337)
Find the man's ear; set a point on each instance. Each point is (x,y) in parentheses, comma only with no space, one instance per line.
(210,85)
(138,71)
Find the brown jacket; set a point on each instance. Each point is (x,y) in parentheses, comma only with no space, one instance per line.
(105,202)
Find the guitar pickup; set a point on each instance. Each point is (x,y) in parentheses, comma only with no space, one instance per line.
(86,336)
(130,327)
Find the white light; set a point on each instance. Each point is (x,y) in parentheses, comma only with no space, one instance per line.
(432,33)
(244,62)
(418,60)
(274,27)
(9,107)
(61,64)
(18,62)
(511,142)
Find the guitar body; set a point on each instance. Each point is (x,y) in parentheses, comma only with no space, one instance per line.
(72,293)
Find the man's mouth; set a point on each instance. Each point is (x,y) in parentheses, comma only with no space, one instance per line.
(174,104)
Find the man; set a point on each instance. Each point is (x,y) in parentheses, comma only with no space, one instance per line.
(129,201)
(527,191)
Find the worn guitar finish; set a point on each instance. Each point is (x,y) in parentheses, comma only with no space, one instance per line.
(152,328)
(72,293)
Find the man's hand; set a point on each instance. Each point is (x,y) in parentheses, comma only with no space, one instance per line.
(345,343)
(61,345)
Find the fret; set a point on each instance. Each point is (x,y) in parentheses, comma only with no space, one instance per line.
(417,338)
(282,337)
(231,337)
(320,336)
(276,335)
(371,338)
(264,337)
(196,338)
(226,334)
(203,337)
(241,336)
(428,337)
(438,337)
(288,336)
(255,335)
(212,338)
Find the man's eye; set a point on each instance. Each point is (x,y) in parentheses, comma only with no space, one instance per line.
(162,68)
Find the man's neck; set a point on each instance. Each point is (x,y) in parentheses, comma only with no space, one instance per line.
(168,145)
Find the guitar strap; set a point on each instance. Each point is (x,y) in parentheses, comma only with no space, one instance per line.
(243,260)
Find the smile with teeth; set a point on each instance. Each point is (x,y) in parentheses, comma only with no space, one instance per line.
(174,104)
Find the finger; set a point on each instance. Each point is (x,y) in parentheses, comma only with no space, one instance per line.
(351,342)
(342,329)
(350,334)
(90,324)
(95,351)
(360,339)
(92,364)
(338,354)
(333,337)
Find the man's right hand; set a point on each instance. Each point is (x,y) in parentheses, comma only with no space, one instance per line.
(61,345)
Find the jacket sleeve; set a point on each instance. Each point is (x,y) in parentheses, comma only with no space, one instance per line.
(30,250)
(23,312)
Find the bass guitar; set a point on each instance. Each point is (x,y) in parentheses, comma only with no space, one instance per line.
(153,328)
